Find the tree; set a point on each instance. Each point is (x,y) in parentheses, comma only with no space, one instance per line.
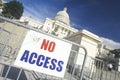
(116,52)
(13,9)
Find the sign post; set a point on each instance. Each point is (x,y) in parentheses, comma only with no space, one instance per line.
(43,54)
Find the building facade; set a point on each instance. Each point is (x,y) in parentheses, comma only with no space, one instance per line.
(59,25)
(87,39)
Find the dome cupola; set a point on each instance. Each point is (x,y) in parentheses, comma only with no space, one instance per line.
(62,16)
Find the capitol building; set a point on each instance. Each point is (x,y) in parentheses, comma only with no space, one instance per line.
(59,25)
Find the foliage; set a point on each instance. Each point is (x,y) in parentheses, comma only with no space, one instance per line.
(116,52)
(13,9)
(112,57)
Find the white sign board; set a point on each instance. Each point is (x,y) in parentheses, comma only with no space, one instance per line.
(43,54)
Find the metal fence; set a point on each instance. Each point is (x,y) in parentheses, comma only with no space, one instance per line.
(12,34)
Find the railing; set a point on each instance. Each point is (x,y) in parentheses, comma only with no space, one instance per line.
(13,33)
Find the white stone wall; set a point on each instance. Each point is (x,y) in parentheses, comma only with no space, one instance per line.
(92,49)
(31,22)
(89,41)
(49,25)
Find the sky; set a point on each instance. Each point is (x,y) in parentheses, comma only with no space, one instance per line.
(101,17)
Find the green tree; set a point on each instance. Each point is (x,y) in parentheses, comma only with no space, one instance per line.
(13,9)
(116,52)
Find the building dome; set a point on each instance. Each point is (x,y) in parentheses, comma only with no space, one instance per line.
(62,16)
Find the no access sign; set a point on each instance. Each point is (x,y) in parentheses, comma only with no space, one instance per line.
(43,54)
